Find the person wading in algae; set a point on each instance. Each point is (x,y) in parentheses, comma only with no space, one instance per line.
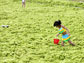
(23,3)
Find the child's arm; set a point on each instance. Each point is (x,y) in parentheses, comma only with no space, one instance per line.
(66,29)
(57,35)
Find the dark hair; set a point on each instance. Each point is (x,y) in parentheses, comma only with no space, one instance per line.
(57,23)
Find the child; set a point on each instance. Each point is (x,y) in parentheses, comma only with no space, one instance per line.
(64,31)
(23,3)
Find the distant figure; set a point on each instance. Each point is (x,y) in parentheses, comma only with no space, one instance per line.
(23,3)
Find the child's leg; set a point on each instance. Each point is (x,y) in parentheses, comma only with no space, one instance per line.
(22,4)
(71,43)
(62,43)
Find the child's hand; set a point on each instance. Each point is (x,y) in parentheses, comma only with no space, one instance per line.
(57,35)
(69,34)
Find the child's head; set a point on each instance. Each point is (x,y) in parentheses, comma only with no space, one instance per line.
(57,23)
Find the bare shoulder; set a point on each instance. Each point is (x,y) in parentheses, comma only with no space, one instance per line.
(62,26)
